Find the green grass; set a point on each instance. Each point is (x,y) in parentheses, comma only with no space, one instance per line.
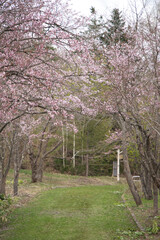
(73,213)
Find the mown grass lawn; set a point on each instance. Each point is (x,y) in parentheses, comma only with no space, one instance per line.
(73,213)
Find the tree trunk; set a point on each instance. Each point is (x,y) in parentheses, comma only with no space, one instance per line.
(146,183)
(37,163)
(63,138)
(34,167)
(66,140)
(130,181)
(1,176)
(4,171)
(15,184)
(87,157)
(3,185)
(149,186)
(155,199)
(74,149)
(87,165)
(40,175)
(18,156)
(34,173)
(40,171)
(17,166)
(127,171)
(82,144)
(16,170)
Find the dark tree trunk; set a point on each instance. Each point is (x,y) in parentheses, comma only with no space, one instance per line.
(146,182)
(148,156)
(87,156)
(155,188)
(17,166)
(155,199)
(149,186)
(34,173)
(130,182)
(19,150)
(40,175)
(2,178)
(3,185)
(4,171)
(40,171)
(1,175)
(127,171)
(37,162)
(34,167)
(15,184)
(87,165)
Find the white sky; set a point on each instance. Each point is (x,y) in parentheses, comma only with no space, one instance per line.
(104,7)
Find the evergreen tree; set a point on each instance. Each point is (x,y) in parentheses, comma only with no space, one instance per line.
(115,30)
(107,32)
(95,27)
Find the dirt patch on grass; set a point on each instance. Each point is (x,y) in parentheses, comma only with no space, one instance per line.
(94,181)
(28,190)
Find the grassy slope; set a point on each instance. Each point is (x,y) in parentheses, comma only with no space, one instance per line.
(74,213)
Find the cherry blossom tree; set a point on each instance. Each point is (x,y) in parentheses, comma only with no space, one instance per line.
(41,56)
(129,90)
(38,56)
(43,141)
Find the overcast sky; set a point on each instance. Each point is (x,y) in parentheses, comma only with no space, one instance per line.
(102,6)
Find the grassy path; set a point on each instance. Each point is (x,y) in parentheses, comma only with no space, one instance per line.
(74,213)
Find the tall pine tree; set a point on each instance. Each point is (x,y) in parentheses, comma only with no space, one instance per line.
(95,28)
(115,29)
